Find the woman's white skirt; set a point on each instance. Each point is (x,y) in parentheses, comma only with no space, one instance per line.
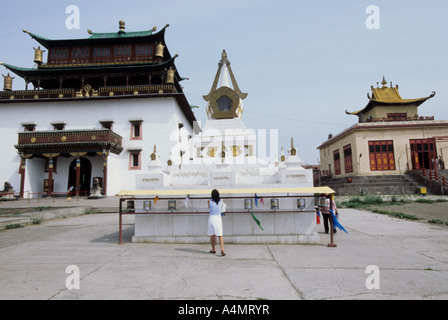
(215,225)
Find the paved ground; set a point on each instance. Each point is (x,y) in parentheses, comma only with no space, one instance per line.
(412,259)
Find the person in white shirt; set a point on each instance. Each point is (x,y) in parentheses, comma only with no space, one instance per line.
(215,222)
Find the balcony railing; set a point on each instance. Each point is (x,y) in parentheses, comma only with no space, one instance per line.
(66,141)
(101,92)
(389,119)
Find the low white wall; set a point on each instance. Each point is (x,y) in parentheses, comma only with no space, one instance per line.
(279,228)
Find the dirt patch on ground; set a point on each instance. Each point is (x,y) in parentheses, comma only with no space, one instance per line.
(13,211)
(426,211)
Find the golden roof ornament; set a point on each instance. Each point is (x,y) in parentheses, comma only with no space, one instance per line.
(154,154)
(293,150)
(7,83)
(38,55)
(121,25)
(170,76)
(384,82)
(223,150)
(159,50)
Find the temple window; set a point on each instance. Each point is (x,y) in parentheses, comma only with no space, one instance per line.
(136,129)
(58,55)
(101,53)
(143,51)
(135,159)
(122,53)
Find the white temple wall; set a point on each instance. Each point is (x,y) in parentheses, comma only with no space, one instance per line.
(161,121)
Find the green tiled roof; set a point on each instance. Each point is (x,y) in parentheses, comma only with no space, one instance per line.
(103,38)
(120,34)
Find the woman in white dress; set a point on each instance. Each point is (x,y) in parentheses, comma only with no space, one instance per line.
(215,222)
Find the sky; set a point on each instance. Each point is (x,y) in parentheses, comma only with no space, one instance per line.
(302,63)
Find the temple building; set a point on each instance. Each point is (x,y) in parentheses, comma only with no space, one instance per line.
(390,138)
(92,112)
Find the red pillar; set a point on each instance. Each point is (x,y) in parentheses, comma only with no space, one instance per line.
(105,154)
(22,176)
(50,176)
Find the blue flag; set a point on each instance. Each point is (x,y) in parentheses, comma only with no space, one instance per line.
(256,200)
(336,222)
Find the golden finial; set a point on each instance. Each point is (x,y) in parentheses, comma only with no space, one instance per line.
(282,157)
(293,150)
(89,31)
(153,155)
(384,82)
(121,25)
(224,55)
(223,152)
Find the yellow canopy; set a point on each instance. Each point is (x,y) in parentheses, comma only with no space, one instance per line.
(259,191)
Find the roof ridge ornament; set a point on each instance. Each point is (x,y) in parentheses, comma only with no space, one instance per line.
(154,154)
(121,25)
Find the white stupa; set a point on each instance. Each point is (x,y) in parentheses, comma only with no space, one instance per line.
(222,155)
(223,152)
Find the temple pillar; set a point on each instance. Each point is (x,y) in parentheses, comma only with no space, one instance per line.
(104,186)
(50,157)
(50,176)
(78,175)
(22,176)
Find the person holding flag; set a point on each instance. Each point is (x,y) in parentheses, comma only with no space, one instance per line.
(331,212)
(326,214)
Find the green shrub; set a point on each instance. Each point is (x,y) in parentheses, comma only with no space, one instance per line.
(13,226)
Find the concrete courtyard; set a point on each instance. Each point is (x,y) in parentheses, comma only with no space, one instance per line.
(43,261)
